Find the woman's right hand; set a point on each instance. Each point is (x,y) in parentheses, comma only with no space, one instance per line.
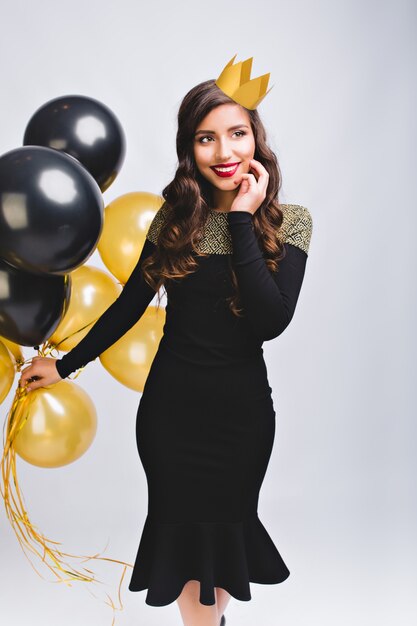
(41,373)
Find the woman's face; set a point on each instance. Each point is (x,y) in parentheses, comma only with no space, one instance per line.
(224,138)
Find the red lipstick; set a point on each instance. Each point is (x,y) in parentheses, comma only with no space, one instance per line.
(225,170)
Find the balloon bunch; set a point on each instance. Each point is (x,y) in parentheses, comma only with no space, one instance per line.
(52,218)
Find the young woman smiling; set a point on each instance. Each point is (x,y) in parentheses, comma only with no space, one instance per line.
(232,261)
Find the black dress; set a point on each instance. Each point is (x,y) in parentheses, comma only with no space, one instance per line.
(206,421)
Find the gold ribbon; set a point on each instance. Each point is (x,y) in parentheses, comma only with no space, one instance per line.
(27,534)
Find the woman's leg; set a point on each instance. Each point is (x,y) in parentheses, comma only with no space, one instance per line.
(194,613)
(223,598)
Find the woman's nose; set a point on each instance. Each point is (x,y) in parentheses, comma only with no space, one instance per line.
(223,152)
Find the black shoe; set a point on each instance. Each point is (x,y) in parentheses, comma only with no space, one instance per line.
(223,621)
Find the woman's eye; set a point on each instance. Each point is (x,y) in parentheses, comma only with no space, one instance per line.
(201,140)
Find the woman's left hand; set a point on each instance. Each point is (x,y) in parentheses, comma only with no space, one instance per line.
(252,191)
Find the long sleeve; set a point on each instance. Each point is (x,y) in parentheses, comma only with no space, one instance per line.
(269,299)
(118,318)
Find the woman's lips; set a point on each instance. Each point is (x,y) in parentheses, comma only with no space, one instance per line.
(225,171)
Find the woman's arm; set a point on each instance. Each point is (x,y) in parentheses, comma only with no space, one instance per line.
(268,299)
(115,321)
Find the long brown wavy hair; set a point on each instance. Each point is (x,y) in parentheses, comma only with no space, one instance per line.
(188,199)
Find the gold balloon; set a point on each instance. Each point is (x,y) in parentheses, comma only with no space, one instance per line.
(61,424)
(7,371)
(126,222)
(15,349)
(93,291)
(130,358)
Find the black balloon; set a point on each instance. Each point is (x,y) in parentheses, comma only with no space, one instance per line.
(84,128)
(31,306)
(51,211)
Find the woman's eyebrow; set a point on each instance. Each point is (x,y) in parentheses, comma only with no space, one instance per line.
(212,132)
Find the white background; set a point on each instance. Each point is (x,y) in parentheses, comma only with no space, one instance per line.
(339,495)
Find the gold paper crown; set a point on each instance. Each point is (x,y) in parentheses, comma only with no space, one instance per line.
(236,83)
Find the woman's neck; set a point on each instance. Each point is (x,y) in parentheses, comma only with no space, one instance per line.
(223,200)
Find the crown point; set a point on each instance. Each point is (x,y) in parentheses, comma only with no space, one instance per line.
(235,82)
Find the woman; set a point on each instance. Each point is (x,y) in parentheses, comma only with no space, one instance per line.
(232,261)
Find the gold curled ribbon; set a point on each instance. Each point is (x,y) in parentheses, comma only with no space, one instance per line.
(26,532)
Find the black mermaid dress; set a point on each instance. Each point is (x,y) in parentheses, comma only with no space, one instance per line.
(206,422)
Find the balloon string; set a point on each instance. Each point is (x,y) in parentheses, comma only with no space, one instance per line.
(48,344)
(30,540)
(49,348)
